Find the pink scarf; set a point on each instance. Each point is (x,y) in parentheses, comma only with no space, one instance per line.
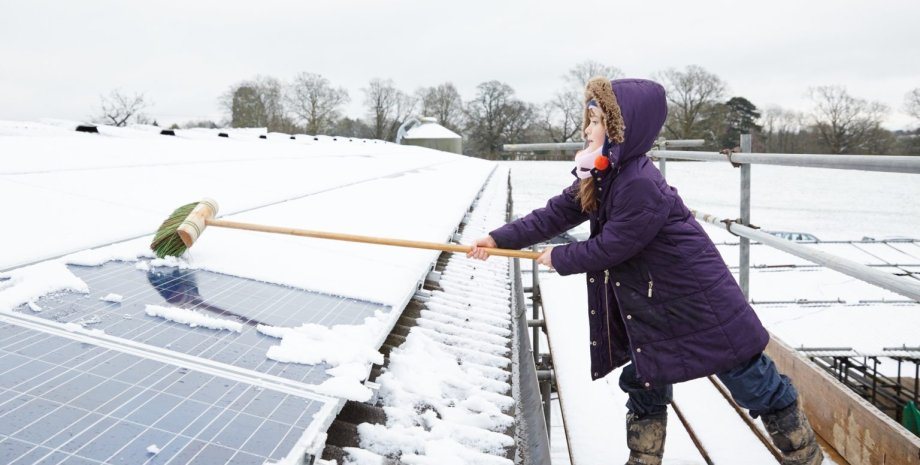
(584,162)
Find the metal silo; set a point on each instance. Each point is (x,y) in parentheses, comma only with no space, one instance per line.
(426,132)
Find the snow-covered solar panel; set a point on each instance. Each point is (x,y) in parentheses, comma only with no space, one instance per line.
(312,338)
(913,270)
(887,253)
(832,353)
(914,354)
(120,293)
(68,402)
(910,248)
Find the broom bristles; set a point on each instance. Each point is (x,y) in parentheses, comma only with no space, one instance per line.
(166,241)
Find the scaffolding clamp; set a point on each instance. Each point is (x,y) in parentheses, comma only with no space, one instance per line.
(728,154)
(728,225)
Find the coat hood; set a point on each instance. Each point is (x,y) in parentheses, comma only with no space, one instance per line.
(635,110)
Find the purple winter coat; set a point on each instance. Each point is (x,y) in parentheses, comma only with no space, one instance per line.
(659,293)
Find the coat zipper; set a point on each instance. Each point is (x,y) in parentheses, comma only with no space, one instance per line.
(607,313)
(650,284)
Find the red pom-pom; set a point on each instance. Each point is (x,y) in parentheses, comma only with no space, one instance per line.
(601,163)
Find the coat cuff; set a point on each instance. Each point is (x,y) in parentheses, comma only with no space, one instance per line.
(560,264)
(504,238)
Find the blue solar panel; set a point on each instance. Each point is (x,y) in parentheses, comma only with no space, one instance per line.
(69,402)
(227,297)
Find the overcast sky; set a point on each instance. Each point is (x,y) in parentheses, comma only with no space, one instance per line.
(57,57)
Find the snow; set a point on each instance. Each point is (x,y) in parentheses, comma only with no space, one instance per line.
(431,131)
(28,283)
(445,391)
(313,344)
(123,252)
(107,188)
(153,449)
(97,198)
(114,298)
(867,328)
(111,190)
(193,318)
(90,199)
(358,456)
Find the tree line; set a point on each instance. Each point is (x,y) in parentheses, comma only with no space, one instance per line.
(699,108)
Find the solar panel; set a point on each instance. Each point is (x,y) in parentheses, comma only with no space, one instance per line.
(132,388)
(226,297)
(64,401)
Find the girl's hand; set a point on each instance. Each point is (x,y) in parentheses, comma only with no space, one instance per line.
(477,252)
(546,258)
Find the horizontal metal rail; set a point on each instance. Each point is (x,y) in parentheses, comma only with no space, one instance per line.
(543,147)
(553,146)
(848,267)
(884,163)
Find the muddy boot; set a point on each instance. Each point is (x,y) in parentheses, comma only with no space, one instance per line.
(793,436)
(645,438)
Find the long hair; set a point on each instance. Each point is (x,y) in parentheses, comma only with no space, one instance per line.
(587,194)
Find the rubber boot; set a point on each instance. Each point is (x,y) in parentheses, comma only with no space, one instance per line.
(792,435)
(645,438)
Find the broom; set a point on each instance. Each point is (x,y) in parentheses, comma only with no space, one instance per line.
(185,225)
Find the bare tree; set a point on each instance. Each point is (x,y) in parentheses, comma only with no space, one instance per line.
(406,106)
(387,107)
(521,117)
(912,103)
(444,103)
(782,130)
(846,124)
(578,76)
(561,117)
(690,94)
(313,100)
(495,117)
(118,108)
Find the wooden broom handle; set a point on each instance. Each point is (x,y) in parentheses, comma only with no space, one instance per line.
(369,239)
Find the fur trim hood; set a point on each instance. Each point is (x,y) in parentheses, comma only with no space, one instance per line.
(600,90)
(634,111)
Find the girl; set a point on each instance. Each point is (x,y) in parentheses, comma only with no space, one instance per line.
(659,294)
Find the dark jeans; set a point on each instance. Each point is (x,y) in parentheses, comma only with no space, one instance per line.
(755,385)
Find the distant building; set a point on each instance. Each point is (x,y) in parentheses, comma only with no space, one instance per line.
(426,132)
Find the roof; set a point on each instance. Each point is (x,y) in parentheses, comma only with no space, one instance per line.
(447,387)
(430,130)
(276,319)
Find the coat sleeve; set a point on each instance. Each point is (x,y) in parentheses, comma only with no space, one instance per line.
(634,219)
(561,213)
